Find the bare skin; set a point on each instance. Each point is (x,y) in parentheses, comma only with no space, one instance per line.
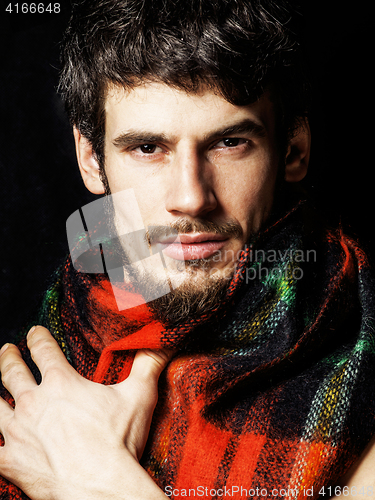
(97,457)
(193,157)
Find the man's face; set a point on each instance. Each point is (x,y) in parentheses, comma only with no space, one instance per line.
(197,163)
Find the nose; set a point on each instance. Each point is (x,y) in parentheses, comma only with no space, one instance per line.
(190,186)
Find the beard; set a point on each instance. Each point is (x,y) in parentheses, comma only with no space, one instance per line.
(188,302)
(199,294)
(202,290)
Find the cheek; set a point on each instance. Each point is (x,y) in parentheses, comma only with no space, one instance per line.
(148,189)
(113,173)
(120,176)
(249,191)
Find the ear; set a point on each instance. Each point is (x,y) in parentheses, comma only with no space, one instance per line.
(88,164)
(297,159)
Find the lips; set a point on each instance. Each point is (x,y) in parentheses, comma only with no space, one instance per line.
(192,246)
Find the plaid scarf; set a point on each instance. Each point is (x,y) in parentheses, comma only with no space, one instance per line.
(271,394)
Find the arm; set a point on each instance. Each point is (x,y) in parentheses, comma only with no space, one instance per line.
(72,438)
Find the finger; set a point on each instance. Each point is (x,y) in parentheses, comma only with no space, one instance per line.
(6,413)
(15,374)
(45,351)
(148,364)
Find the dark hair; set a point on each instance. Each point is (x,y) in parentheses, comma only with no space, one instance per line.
(238,47)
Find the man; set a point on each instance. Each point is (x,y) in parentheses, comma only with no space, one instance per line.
(200,111)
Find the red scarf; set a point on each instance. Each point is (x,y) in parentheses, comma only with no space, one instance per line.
(269,395)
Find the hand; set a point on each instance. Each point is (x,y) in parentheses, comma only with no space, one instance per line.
(72,438)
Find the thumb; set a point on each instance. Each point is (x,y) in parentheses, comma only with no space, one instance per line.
(143,386)
(148,364)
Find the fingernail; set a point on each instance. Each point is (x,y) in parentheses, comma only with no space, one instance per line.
(4,348)
(31,330)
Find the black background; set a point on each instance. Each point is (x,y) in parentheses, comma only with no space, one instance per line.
(40,185)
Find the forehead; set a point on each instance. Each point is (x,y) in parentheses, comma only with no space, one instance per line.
(162,109)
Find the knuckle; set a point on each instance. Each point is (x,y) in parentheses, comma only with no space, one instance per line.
(13,370)
(24,406)
(42,347)
(54,373)
(160,357)
(56,377)
(25,400)
(12,431)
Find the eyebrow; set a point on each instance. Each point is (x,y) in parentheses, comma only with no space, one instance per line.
(138,137)
(246,126)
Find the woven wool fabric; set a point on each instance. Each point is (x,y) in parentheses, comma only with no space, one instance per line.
(271,394)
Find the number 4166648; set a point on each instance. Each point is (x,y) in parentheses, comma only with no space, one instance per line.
(33,8)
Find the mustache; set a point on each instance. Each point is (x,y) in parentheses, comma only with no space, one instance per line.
(229,228)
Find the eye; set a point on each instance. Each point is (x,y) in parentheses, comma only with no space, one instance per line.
(230,142)
(148,149)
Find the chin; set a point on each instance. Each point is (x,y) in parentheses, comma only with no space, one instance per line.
(191,299)
(200,290)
